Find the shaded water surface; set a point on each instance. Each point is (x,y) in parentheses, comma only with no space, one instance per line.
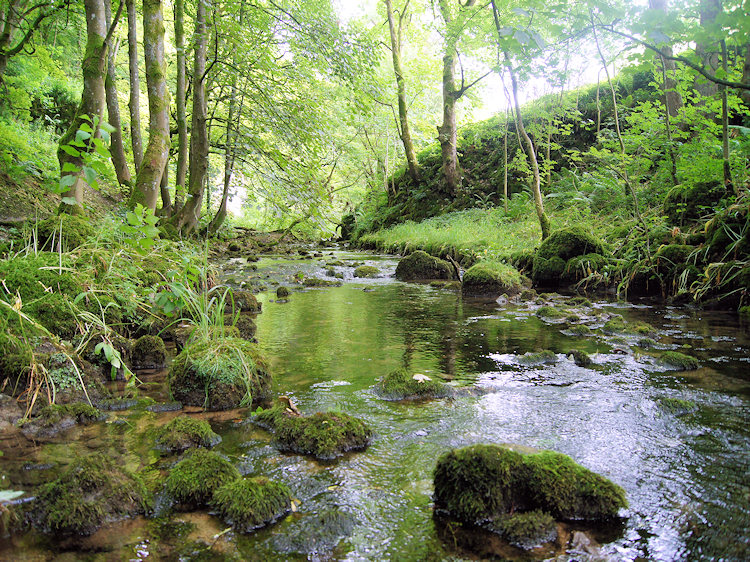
(686,474)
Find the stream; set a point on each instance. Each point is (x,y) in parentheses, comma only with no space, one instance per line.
(686,473)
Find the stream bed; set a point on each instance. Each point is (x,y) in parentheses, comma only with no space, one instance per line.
(686,472)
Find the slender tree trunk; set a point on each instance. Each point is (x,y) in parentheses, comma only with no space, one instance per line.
(166,200)
(182,129)
(725,127)
(745,94)
(116,148)
(411,155)
(673,98)
(135,87)
(148,181)
(187,220)
(505,161)
(709,9)
(447,134)
(668,127)
(93,103)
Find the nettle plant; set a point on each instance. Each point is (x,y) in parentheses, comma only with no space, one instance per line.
(90,147)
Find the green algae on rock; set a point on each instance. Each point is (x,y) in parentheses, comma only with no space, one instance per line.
(482,483)
(366,271)
(678,406)
(184,432)
(92,491)
(421,265)
(219,374)
(544,357)
(54,418)
(491,278)
(250,503)
(196,477)
(526,530)
(148,352)
(323,435)
(316,282)
(399,385)
(679,361)
(618,325)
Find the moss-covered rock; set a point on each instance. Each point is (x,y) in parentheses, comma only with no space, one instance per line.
(491,278)
(316,282)
(581,358)
(322,435)
(580,267)
(559,247)
(678,406)
(219,374)
(55,418)
(196,477)
(579,330)
(184,432)
(544,357)
(282,292)
(366,271)
(691,202)
(246,327)
(93,491)
(679,361)
(483,483)
(547,272)
(422,266)
(250,503)
(64,232)
(551,313)
(148,352)
(618,325)
(527,530)
(243,301)
(399,385)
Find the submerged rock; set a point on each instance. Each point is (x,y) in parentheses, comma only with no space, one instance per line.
(55,418)
(323,435)
(526,530)
(250,503)
(399,385)
(148,352)
(483,483)
(366,271)
(677,406)
(679,361)
(183,433)
(316,534)
(93,491)
(196,477)
(532,359)
(219,374)
(618,325)
(491,279)
(421,265)
(315,282)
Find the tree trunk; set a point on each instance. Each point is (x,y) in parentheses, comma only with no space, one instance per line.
(709,56)
(148,181)
(116,148)
(745,94)
(411,155)
(182,129)
(135,87)
(673,98)
(93,102)
(447,134)
(505,162)
(725,126)
(166,200)
(198,161)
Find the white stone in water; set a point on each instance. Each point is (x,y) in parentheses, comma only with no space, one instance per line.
(420,378)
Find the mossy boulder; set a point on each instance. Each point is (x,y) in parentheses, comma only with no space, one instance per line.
(184,432)
(323,435)
(148,352)
(94,490)
(400,385)
(316,282)
(246,327)
(483,483)
(250,503)
(64,232)
(581,358)
(282,292)
(618,325)
(422,266)
(526,530)
(196,477)
(55,418)
(551,313)
(580,267)
(533,359)
(243,301)
(679,361)
(366,271)
(491,279)
(219,374)
(558,248)
(691,202)
(678,406)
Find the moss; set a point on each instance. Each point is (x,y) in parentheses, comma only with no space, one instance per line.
(618,325)
(580,267)
(581,358)
(322,435)
(547,272)
(484,482)
(195,478)
(527,530)
(491,278)
(687,203)
(185,432)
(243,301)
(94,490)
(551,313)
(523,260)
(579,330)
(246,327)
(569,242)
(250,503)
(421,265)
(544,357)
(148,352)
(399,385)
(219,374)
(76,229)
(366,271)
(670,255)
(315,282)
(677,406)
(679,361)
(80,412)
(282,292)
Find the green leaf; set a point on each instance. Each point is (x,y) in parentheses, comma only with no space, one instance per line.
(8,495)
(107,127)
(82,136)
(70,167)
(70,150)
(69,180)
(98,348)
(72,201)
(90,174)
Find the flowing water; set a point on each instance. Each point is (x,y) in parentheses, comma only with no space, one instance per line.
(686,473)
